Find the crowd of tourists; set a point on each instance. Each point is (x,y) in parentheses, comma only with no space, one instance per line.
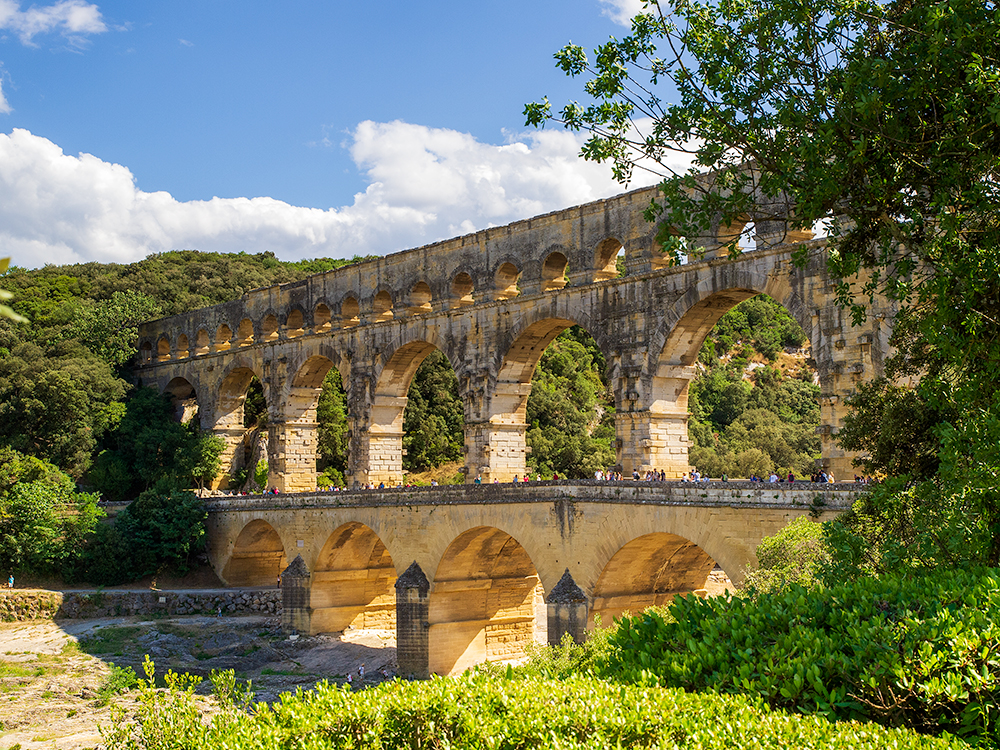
(612,475)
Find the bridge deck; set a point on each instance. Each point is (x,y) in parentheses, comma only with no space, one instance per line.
(836,496)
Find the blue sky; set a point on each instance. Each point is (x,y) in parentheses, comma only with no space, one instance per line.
(304,128)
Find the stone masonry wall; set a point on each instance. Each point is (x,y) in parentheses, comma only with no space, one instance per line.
(32,604)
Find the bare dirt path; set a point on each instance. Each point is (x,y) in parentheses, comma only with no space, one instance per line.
(52,673)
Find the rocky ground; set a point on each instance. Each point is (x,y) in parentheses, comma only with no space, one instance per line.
(53,676)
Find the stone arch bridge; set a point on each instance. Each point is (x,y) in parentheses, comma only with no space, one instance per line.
(472,572)
(468,573)
(491,302)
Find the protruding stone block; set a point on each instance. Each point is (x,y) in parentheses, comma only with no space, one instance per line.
(296,615)
(567,611)
(412,627)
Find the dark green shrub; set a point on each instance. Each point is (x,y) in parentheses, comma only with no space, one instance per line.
(920,652)
(795,555)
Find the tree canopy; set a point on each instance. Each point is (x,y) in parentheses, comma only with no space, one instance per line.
(880,121)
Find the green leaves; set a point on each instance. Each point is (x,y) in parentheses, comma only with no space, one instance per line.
(434,418)
(482,709)
(6,312)
(922,652)
(569,410)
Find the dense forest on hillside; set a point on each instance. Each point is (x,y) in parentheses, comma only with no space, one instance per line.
(67,404)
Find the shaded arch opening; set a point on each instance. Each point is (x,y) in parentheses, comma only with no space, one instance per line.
(258,557)
(565,441)
(184,399)
(433,424)
(241,420)
(183,346)
(201,342)
(382,307)
(735,234)
(554,272)
(505,282)
(223,338)
(163,349)
(146,352)
(244,334)
(486,602)
(353,582)
(649,571)
(294,324)
(350,312)
(322,318)
(315,415)
(570,410)
(420,299)
(461,290)
(606,259)
(269,328)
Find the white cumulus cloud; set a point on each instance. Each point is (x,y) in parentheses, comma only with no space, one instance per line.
(4,105)
(72,18)
(424,184)
(621,11)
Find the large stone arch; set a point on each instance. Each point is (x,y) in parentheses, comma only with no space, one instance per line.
(257,558)
(293,436)
(687,322)
(649,570)
(654,425)
(485,604)
(713,533)
(377,448)
(184,397)
(352,582)
(227,415)
(496,411)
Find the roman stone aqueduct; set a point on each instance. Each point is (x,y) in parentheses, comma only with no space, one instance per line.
(492,302)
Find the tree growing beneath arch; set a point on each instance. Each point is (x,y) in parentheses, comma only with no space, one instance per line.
(570,411)
(882,120)
(433,421)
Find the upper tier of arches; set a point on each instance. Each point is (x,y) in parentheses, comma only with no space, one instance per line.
(579,246)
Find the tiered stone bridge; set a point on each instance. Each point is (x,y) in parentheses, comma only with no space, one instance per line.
(492,302)
(468,573)
(473,563)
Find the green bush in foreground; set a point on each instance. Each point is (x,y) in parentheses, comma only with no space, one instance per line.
(485,710)
(920,652)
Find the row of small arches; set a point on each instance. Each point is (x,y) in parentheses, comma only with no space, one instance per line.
(419,301)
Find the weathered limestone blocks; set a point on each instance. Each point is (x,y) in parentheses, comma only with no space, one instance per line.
(29,604)
(412,628)
(295,588)
(491,302)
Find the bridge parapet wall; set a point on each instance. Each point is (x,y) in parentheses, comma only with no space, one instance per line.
(836,496)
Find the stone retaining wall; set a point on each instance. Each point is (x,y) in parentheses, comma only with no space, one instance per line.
(31,604)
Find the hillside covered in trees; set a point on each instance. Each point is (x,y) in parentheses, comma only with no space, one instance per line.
(73,427)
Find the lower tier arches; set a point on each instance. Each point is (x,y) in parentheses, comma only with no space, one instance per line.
(258,556)
(486,602)
(648,571)
(352,582)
